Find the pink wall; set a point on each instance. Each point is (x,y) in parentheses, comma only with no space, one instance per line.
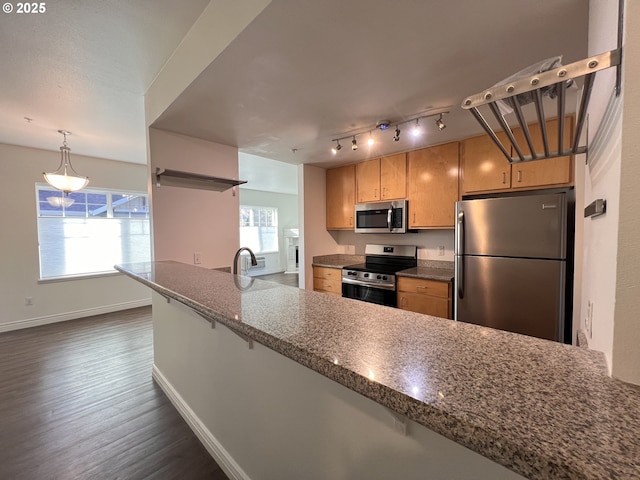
(187,220)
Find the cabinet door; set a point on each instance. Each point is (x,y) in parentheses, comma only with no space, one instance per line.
(327,280)
(483,166)
(548,172)
(436,306)
(368,181)
(340,191)
(393,177)
(433,186)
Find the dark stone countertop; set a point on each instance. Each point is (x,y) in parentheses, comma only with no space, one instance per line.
(543,409)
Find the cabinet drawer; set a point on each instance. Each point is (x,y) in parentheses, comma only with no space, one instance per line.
(415,302)
(424,287)
(327,285)
(328,273)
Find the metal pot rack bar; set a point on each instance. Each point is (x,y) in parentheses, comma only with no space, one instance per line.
(558,77)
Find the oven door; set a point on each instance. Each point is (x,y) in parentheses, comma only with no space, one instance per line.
(370,294)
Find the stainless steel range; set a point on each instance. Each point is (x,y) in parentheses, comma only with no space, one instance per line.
(375,280)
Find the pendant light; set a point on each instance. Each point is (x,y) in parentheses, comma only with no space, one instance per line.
(61,179)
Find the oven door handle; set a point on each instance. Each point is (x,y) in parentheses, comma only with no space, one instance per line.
(351,281)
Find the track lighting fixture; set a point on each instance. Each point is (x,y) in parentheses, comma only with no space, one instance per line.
(385,124)
(396,137)
(416,128)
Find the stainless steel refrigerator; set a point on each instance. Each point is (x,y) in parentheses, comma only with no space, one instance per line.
(513,264)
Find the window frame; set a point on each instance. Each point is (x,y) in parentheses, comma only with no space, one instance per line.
(110,192)
(276,226)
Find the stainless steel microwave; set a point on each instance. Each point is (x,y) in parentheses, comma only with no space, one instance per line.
(381,217)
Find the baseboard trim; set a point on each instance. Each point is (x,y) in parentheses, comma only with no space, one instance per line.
(62,317)
(213,446)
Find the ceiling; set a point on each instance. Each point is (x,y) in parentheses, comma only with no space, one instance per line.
(300,75)
(84,66)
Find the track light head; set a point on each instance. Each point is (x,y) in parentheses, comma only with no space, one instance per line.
(416,129)
(396,137)
(370,140)
(337,148)
(354,144)
(440,123)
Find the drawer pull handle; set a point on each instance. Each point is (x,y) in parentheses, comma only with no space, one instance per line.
(421,286)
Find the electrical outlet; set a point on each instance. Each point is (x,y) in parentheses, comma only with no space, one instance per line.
(197,258)
(441,250)
(28,301)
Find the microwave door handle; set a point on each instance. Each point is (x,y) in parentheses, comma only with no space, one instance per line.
(389,216)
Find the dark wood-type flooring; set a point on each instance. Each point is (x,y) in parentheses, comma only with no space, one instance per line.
(290,279)
(77,402)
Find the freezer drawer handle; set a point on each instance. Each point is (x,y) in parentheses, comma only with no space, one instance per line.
(546,206)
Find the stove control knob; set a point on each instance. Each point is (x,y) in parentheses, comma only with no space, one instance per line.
(384,277)
(379,277)
(366,275)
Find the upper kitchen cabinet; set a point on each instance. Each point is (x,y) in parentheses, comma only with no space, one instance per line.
(544,173)
(382,179)
(341,188)
(433,186)
(483,167)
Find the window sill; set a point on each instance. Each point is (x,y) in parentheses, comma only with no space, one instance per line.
(80,276)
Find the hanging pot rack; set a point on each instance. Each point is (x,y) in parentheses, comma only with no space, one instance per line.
(534,86)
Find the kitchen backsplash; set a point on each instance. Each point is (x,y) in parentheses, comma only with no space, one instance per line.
(431,243)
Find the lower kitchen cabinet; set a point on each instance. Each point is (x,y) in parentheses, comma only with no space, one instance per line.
(327,280)
(431,297)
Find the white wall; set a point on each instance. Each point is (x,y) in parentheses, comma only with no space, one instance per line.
(287,206)
(427,241)
(21,168)
(314,238)
(186,221)
(611,279)
(626,353)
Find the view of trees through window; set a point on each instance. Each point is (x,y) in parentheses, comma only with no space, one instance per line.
(259,228)
(91,230)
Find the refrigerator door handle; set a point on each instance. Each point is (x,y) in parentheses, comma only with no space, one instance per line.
(460,234)
(459,273)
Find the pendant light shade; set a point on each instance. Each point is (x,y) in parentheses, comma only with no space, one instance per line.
(65,178)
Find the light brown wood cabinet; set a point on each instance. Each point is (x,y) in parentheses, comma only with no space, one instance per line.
(433,186)
(382,179)
(548,172)
(327,280)
(484,168)
(430,297)
(340,197)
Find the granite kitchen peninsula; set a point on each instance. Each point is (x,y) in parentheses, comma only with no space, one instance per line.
(385,393)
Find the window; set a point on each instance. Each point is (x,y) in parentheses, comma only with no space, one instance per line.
(90,231)
(259,228)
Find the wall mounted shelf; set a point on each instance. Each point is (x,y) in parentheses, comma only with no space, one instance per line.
(177,178)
